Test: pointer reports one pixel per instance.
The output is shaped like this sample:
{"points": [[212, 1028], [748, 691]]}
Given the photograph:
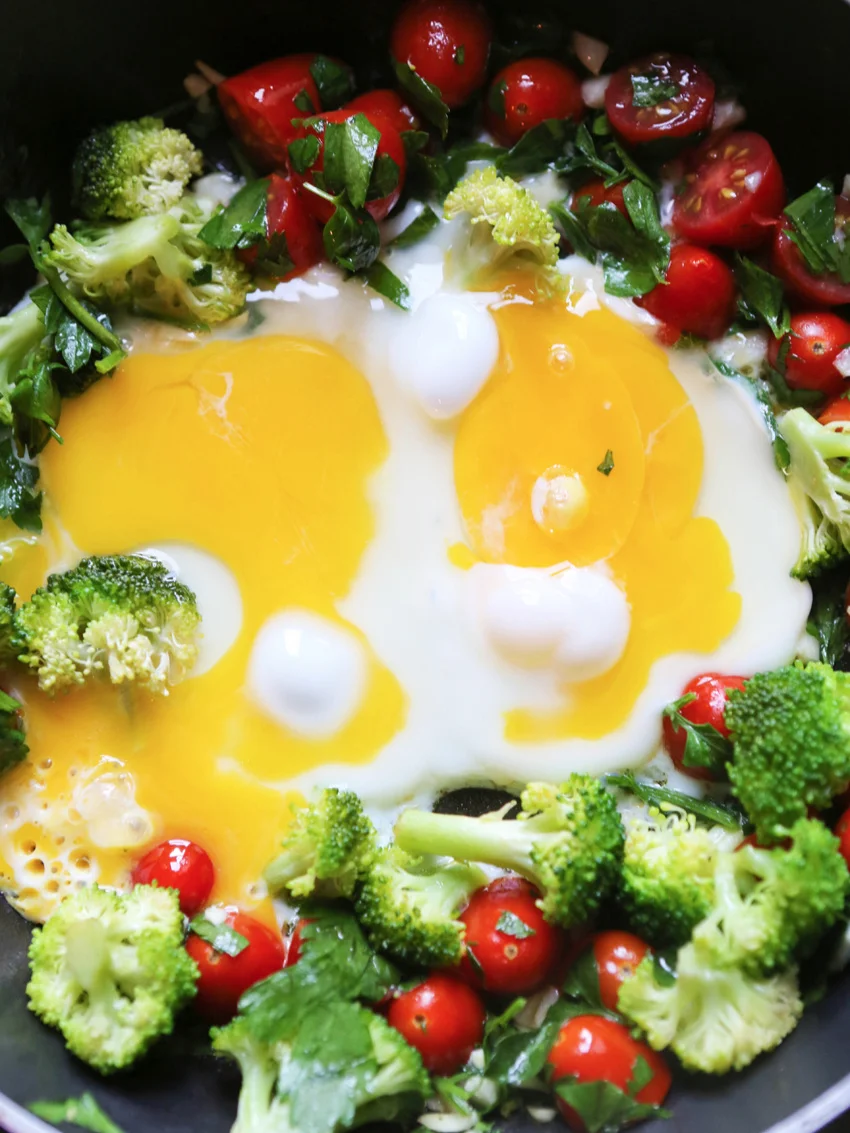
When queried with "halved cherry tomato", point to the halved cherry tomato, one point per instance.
{"points": [[447, 43], [259, 104], [836, 412], [526, 93], [443, 1019], [815, 341], [597, 194], [842, 829], [287, 215], [699, 295], [709, 706], [825, 289], [733, 193], [591, 1048], [223, 979], [513, 948], [388, 104], [638, 112], [181, 865], [617, 955]]}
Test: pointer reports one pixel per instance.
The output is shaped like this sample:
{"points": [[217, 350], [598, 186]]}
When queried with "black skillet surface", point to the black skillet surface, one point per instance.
{"points": [[64, 67]]}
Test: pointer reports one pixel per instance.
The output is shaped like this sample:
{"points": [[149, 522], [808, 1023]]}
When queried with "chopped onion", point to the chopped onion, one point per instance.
{"points": [[845, 188], [593, 91], [537, 1008], [842, 362], [542, 1113], [196, 85], [592, 52], [728, 112], [210, 73], [449, 1122]]}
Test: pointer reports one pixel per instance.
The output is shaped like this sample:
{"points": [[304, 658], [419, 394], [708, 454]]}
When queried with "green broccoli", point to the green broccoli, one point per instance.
{"points": [[156, 265], [326, 850], [123, 616], [715, 1018], [410, 909], [22, 336], [110, 972], [791, 744], [133, 169], [567, 841]]}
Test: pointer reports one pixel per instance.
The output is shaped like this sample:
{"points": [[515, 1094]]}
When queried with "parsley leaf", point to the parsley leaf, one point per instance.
{"points": [[650, 89], [417, 230], [242, 222], [762, 295], [19, 499], [13, 746], [334, 82], [828, 618], [223, 937], [303, 153], [512, 925], [386, 283], [758, 390], [607, 465], [635, 255], [83, 1111], [536, 149], [304, 103], [351, 238], [813, 231], [424, 95], [574, 228], [385, 175], [704, 745], [496, 98], [603, 1107], [705, 809]]}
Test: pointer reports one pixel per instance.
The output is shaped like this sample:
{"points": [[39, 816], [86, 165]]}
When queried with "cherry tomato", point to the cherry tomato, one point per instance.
{"points": [[732, 194], [836, 412], [260, 104], [287, 215], [181, 865], [517, 957], [388, 104], [590, 1048], [389, 144], [447, 43], [526, 93], [617, 955], [686, 112], [825, 289], [224, 978], [842, 829], [443, 1018], [699, 295], [815, 341], [710, 691], [597, 194]]}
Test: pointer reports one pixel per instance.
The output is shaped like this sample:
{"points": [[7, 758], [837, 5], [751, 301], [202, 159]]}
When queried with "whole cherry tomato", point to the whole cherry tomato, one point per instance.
{"points": [[661, 97], [732, 195], [842, 829], [597, 194], [447, 43], [815, 341], [224, 979], [388, 104], [710, 691], [511, 948], [698, 296], [443, 1018], [823, 289], [287, 215], [528, 92], [181, 865], [617, 955]]}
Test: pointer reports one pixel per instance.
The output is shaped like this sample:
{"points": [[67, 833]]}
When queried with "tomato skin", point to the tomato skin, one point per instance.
{"points": [[826, 290], [223, 979], [287, 214], [617, 955], [427, 34], [687, 114], [591, 1048], [836, 411], [508, 965], [259, 105], [842, 830], [815, 341], [597, 194], [699, 295], [388, 104], [443, 1018], [704, 212], [709, 707], [533, 90], [181, 865]]}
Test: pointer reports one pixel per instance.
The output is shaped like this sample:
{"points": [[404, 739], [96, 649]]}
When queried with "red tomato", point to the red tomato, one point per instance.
{"points": [[447, 42], [824, 290], [181, 865], [842, 829], [617, 955], [684, 114], [287, 215], [223, 978], [526, 93], [734, 191], [699, 295], [590, 1048], [388, 104], [390, 144], [710, 691], [260, 104], [836, 412], [443, 1019], [816, 340], [507, 962], [597, 195]]}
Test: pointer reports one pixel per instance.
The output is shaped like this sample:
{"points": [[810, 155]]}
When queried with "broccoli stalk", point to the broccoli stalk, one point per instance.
{"points": [[110, 972], [567, 841]]}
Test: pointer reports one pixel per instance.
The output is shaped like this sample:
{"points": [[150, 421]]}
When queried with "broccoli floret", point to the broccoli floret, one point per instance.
{"points": [[110, 972], [507, 223], [326, 850], [22, 335], [410, 909], [133, 169], [667, 883], [156, 265], [567, 841], [259, 1110], [714, 1018], [791, 744], [123, 616]]}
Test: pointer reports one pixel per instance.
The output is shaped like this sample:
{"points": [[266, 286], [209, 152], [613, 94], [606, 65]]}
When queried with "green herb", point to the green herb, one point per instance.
{"points": [[202, 275], [437, 174], [460, 55], [83, 1111], [243, 221], [424, 96], [273, 258], [762, 295], [512, 925], [607, 465], [334, 82], [13, 746], [417, 230], [351, 238], [222, 937], [386, 283], [581, 982], [758, 390], [304, 103], [635, 255], [705, 810], [19, 501], [496, 98], [605, 1108], [536, 149], [385, 175], [828, 618], [303, 153], [607, 158], [704, 745], [649, 89], [574, 229], [813, 231], [349, 157]]}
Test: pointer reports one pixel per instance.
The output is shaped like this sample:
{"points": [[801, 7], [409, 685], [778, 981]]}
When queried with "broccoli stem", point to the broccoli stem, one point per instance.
{"points": [[499, 842]]}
